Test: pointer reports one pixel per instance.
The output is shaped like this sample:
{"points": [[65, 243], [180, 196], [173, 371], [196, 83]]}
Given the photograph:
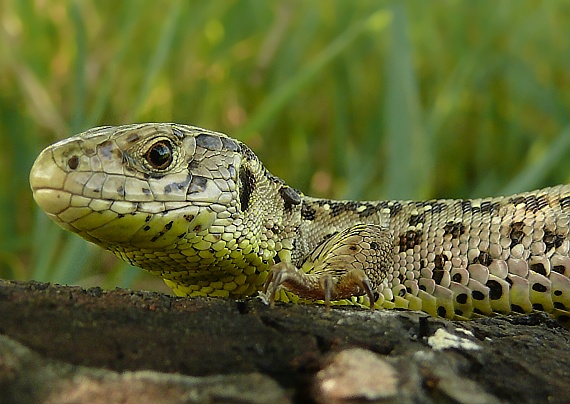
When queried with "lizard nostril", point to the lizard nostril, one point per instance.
{"points": [[73, 162]]}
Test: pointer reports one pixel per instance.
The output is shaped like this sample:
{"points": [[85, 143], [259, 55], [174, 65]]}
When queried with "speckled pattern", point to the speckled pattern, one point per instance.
{"points": [[200, 210]]}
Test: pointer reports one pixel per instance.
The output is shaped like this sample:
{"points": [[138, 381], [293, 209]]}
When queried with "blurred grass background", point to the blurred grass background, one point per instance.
{"points": [[365, 99]]}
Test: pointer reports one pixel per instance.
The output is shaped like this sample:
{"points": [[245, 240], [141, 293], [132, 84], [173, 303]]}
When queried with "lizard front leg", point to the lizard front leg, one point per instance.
{"points": [[353, 262]]}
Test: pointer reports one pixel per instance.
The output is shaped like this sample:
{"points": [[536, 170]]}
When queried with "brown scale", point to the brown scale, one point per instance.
{"points": [[410, 239]]}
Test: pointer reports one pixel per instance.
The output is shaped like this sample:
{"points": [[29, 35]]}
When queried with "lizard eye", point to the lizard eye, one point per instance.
{"points": [[159, 155]]}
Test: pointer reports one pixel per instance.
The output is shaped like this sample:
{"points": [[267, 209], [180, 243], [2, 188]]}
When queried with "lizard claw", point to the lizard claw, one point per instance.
{"points": [[321, 286], [270, 286], [334, 290]]}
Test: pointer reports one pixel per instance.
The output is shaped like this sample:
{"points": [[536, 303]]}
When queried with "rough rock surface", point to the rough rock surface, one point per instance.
{"points": [[67, 344]]}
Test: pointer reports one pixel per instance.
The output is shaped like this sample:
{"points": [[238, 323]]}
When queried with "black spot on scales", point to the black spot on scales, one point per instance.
{"points": [[538, 287], [197, 184], [433, 206], [210, 142], [552, 240], [395, 209], [106, 148], [179, 186], [290, 196], [193, 165], [133, 137], [517, 309], [368, 210], [477, 295], [410, 239], [483, 258], [454, 229], [461, 298], [495, 290], [414, 220], [335, 208], [437, 275], [516, 233], [538, 268], [484, 207], [178, 133], [307, 211], [565, 202], [230, 144], [247, 153], [466, 206], [439, 261], [535, 203], [246, 187]]}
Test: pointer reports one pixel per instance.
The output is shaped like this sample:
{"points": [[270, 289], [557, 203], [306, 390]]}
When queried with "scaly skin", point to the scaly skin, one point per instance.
{"points": [[199, 209]]}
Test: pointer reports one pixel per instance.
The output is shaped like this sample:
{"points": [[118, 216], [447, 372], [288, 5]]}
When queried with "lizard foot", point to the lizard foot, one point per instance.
{"points": [[317, 286], [350, 263]]}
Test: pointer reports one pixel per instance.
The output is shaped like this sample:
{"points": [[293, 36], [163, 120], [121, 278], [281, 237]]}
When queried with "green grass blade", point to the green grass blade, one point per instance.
{"points": [[535, 172], [46, 238], [74, 260], [78, 116], [124, 275], [159, 57], [408, 166], [291, 87], [132, 13]]}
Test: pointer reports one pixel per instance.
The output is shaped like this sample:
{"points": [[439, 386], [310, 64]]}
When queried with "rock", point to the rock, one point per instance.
{"points": [[26, 377], [66, 343], [356, 374]]}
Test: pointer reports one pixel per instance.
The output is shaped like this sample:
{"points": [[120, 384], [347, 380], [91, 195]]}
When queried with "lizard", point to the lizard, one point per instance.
{"points": [[200, 210]]}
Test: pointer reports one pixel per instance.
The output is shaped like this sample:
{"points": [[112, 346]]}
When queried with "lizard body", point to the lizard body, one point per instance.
{"points": [[200, 210]]}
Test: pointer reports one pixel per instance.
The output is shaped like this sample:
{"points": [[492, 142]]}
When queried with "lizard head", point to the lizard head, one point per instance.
{"points": [[177, 200]]}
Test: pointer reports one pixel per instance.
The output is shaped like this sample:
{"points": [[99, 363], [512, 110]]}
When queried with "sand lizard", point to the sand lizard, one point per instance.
{"points": [[200, 210]]}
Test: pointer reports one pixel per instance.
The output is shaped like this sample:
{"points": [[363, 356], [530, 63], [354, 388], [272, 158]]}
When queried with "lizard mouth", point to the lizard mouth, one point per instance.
{"points": [[47, 181], [107, 222]]}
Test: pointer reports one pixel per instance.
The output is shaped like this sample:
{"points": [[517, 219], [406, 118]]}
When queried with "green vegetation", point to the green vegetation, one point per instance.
{"points": [[345, 99]]}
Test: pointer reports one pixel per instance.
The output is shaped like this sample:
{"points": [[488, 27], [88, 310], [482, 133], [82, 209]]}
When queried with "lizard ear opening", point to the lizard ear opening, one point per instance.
{"points": [[246, 186]]}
